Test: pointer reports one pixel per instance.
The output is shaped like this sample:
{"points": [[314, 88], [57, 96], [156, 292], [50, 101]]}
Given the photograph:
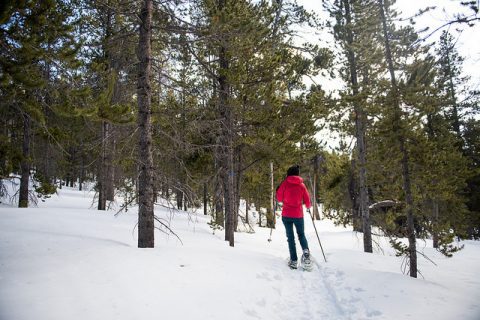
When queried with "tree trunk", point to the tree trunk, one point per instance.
{"points": [[412, 248], [352, 191], [47, 160], [360, 123], [271, 209], [205, 198], [106, 173], [110, 169], [219, 211], [226, 138], [108, 141], [228, 179], [179, 198], [73, 159], [435, 223], [259, 216], [82, 172], [102, 170], [185, 202], [25, 163], [144, 92]]}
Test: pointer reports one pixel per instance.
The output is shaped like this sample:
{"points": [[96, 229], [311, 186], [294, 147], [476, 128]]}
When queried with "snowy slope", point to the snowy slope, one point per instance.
{"points": [[65, 260]]}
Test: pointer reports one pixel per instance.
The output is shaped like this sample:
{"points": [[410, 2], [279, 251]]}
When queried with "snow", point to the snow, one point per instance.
{"points": [[66, 260]]}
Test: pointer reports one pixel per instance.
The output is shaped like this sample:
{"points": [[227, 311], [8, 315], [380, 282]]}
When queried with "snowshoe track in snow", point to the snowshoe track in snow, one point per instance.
{"points": [[319, 294]]}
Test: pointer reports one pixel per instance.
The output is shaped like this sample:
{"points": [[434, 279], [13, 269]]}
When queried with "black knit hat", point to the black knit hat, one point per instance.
{"points": [[294, 170]]}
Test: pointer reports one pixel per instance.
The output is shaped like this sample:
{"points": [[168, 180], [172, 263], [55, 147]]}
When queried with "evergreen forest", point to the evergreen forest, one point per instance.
{"points": [[206, 104]]}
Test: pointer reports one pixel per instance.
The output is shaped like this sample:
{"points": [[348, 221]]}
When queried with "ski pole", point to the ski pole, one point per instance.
{"points": [[315, 227]]}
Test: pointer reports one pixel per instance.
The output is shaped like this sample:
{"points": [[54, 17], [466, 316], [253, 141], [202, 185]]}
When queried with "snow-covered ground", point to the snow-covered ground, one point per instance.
{"points": [[66, 260]]}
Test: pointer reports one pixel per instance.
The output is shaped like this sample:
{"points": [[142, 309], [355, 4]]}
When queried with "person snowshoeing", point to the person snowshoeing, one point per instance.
{"points": [[292, 192]]}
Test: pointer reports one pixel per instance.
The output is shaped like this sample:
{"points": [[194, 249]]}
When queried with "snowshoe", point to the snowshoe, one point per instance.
{"points": [[292, 264], [307, 263]]}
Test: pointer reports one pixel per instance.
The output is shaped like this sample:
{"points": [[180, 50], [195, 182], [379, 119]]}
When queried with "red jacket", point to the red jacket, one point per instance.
{"points": [[291, 192]]}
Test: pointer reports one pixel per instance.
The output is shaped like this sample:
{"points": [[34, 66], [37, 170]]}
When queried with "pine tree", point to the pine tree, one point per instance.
{"points": [[471, 136], [456, 104], [351, 29], [145, 159], [108, 34], [31, 47], [398, 126], [450, 81], [434, 154]]}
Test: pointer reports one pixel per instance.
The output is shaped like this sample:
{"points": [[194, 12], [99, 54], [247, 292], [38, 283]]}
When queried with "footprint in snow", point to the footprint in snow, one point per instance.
{"points": [[373, 313], [264, 275], [261, 303], [252, 313]]}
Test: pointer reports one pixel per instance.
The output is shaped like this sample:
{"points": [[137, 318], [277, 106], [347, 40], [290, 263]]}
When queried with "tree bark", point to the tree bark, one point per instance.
{"points": [[102, 200], [352, 191], [228, 168], [73, 159], [108, 141], [179, 198], [81, 177], [435, 223], [25, 163], [360, 123], [110, 169], [145, 158], [226, 138], [205, 198], [271, 209], [185, 202], [106, 189], [259, 215], [412, 248]]}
